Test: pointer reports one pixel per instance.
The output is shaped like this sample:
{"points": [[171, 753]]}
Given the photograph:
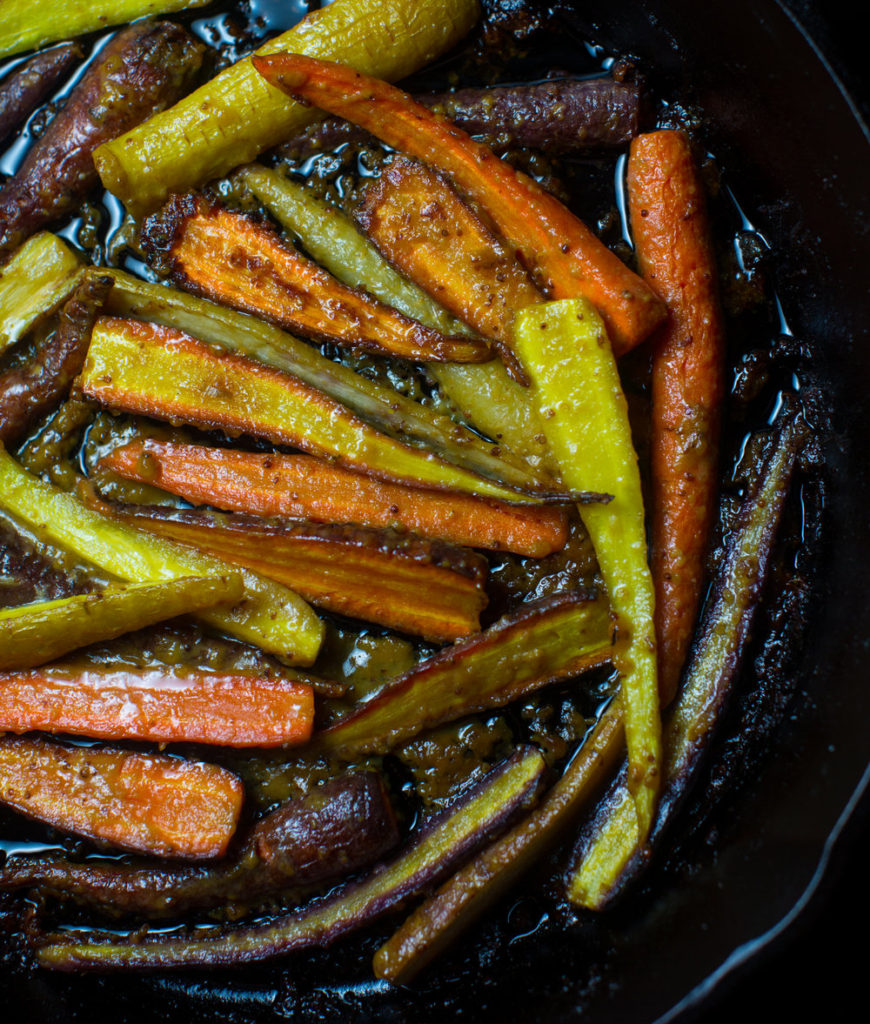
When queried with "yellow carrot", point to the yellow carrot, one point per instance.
{"points": [[566, 352], [237, 115]]}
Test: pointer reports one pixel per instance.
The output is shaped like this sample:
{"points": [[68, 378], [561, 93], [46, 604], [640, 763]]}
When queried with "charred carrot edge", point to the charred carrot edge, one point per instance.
{"points": [[419, 587], [672, 238], [425, 230], [146, 803], [303, 487], [160, 705], [229, 258], [562, 254]]}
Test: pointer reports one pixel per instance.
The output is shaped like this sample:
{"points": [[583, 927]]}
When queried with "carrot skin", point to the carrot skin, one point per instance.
{"points": [[675, 254], [159, 705], [229, 258], [145, 803], [303, 487], [563, 255]]}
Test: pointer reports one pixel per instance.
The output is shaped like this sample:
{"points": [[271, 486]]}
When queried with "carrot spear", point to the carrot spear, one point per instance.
{"points": [[303, 487], [672, 238], [163, 705]]}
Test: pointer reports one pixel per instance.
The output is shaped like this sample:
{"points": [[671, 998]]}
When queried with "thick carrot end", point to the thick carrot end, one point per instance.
{"points": [[145, 803]]}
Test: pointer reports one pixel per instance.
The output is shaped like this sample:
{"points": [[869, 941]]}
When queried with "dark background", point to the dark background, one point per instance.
{"points": [[817, 968]]}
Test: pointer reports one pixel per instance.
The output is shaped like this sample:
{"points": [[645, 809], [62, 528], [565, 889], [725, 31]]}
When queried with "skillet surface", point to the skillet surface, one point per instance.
{"points": [[743, 855]]}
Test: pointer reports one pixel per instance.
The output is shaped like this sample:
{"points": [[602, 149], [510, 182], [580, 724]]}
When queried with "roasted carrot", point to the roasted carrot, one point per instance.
{"points": [[143, 69], [160, 705], [432, 851], [22, 91], [542, 642], [235, 116], [270, 616], [488, 399], [672, 238], [562, 115], [575, 381], [147, 803], [425, 230], [159, 371], [384, 409], [231, 259], [303, 487], [563, 255], [425, 588], [34, 634]]}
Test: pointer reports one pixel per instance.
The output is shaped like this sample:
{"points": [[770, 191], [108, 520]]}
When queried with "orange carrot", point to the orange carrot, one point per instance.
{"points": [[146, 803], [231, 259], [425, 230], [672, 237], [161, 705], [422, 587], [303, 487], [563, 255]]}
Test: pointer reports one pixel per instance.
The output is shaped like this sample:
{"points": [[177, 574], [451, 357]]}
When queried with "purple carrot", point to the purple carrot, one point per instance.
{"points": [[560, 116], [31, 83], [143, 69]]}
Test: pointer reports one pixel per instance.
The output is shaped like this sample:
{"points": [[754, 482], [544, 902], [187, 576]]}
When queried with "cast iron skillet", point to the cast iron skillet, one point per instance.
{"points": [[739, 872]]}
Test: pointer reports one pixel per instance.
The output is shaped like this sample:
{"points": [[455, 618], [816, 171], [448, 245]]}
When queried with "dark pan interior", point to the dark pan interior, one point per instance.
{"points": [[797, 157]]}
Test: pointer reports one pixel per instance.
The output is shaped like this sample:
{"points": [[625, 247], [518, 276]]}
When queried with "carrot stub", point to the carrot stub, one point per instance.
{"points": [[303, 487], [563, 255], [146, 803], [672, 238], [160, 705]]}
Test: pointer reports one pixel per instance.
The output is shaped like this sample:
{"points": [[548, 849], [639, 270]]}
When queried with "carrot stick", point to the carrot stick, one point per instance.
{"points": [[146, 803], [425, 230], [564, 348], [160, 705], [303, 487], [563, 255], [420, 587], [231, 259], [34, 634], [672, 238]]}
